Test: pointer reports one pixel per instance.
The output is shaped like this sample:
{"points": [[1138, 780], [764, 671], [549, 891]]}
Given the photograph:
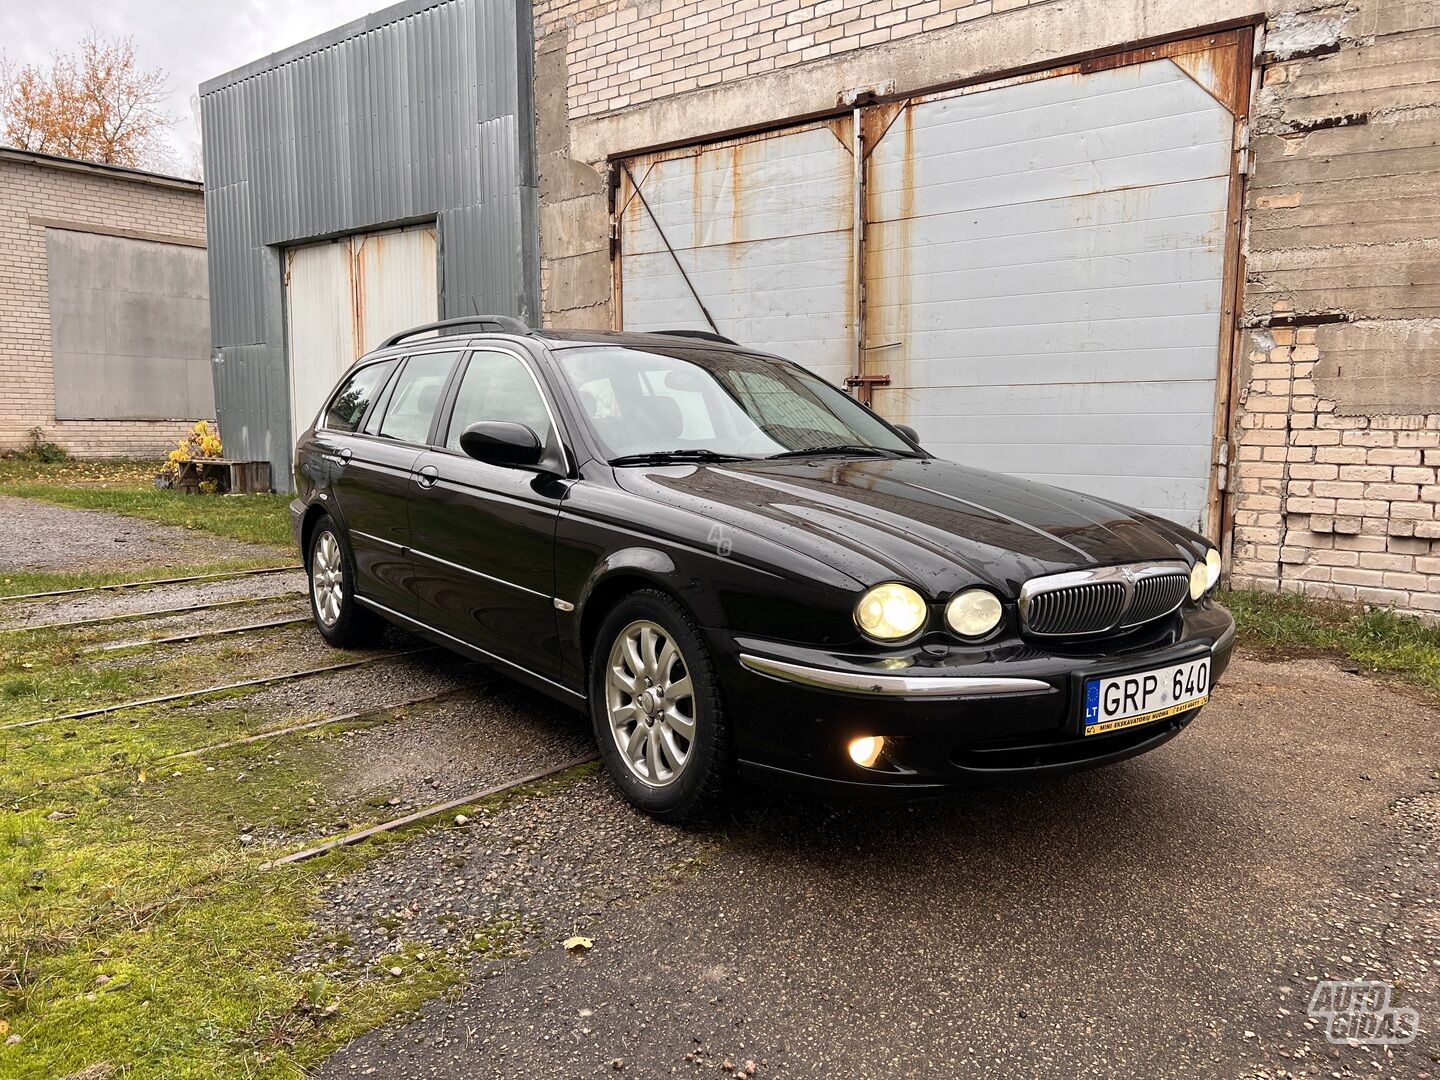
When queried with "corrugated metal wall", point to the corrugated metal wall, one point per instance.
{"points": [[420, 112]]}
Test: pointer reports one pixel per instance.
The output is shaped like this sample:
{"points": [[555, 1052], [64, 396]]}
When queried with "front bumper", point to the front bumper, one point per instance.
{"points": [[952, 718]]}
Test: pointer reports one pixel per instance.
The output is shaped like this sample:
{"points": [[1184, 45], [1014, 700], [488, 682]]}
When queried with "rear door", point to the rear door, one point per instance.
{"points": [[483, 536], [365, 483]]}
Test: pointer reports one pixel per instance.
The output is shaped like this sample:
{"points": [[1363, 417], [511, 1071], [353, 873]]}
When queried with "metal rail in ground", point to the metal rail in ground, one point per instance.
{"points": [[158, 613], [153, 581], [116, 646], [262, 736], [347, 839], [81, 714]]}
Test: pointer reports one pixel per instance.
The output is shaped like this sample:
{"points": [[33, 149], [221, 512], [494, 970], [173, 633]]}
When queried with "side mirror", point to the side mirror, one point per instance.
{"points": [[500, 443], [908, 431]]}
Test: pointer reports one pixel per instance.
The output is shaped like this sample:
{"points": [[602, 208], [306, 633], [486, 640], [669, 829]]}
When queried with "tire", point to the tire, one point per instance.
{"points": [[331, 568], [675, 778]]}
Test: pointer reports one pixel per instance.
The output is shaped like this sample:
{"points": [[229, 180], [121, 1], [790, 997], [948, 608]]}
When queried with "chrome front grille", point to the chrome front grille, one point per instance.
{"points": [[1083, 603], [1156, 595], [1076, 610]]}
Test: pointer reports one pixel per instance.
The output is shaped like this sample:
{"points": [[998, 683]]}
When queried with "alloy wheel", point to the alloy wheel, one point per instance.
{"points": [[650, 703], [327, 578]]}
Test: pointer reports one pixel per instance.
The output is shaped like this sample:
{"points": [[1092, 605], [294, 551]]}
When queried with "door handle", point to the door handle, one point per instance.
{"points": [[345, 454], [427, 476]]}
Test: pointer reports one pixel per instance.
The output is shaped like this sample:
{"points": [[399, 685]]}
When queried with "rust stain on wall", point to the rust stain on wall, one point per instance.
{"points": [[357, 296], [737, 200]]}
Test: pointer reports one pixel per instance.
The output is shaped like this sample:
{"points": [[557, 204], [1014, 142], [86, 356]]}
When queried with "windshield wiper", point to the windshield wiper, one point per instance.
{"points": [[667, 457], [853, 449]]}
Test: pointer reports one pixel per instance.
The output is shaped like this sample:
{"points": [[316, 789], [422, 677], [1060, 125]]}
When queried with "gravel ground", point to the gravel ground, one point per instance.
{"points": [[96, 605], [1381, 923], [38, 536], [1152, 919], [463, 744], [513, 878]]}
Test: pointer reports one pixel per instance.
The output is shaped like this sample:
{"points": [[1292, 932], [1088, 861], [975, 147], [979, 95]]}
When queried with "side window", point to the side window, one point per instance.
{"points": [[497, 386], [347, 407], [416, 394]]}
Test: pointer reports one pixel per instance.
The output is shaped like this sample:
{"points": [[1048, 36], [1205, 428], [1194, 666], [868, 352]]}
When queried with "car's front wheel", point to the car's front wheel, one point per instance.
{"points": [[655, 702], [341, 621]]}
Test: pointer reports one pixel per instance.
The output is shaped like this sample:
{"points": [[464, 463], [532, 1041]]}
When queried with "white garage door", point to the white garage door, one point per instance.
{"points": [[762, 228], [1045, 266], [1041, 263], [344, 297]]}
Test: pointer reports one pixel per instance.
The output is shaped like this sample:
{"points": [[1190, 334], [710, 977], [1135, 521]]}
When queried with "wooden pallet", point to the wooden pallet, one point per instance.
{"points": [[231, 477]]}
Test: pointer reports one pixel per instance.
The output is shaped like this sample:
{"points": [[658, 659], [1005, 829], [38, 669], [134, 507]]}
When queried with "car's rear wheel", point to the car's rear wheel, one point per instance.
{"points": [[341, 621], [655, 702]]}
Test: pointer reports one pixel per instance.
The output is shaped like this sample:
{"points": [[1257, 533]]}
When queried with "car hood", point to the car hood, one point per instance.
{"points": [[934, 523]]}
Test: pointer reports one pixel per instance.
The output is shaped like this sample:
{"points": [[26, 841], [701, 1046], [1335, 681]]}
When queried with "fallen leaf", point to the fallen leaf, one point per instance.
{"points": [[578, 943]]}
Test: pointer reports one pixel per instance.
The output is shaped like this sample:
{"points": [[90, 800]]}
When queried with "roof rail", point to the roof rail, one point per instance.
{"points": [[504, 324], [704, 335]]}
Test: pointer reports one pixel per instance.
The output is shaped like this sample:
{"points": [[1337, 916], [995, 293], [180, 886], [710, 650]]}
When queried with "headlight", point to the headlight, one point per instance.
{"points": [[1199, 580], [974, 612], [1212, 568], [890, 612]]}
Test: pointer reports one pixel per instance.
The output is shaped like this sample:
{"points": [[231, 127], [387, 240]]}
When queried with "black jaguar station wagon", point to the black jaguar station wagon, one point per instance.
{"points": [[741, 572]]}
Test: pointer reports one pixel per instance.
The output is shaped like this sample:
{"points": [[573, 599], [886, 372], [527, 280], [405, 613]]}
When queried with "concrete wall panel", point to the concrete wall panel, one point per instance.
{"points": [[130, 328]]}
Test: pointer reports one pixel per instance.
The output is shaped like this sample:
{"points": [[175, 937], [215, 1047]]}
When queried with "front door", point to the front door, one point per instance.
{"points": [[483, 536]]}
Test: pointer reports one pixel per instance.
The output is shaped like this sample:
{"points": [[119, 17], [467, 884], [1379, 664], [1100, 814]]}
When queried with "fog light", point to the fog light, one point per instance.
{"points": [[866, 750]]}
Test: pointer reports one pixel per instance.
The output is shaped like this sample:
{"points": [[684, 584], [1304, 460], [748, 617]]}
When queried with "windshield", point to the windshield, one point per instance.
{"points": [[716, 403]]}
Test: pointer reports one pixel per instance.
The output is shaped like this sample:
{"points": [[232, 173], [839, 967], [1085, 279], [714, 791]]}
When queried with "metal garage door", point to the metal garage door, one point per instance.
{"points": [[343, 297], [1044, 264], [752, 236], [1044, 279]]}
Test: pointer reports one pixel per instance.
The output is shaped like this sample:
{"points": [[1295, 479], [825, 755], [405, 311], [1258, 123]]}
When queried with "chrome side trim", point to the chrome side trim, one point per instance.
{"points": [[377, 539], [476, 573], [853, 682], [391, 613], [1127, 575]]}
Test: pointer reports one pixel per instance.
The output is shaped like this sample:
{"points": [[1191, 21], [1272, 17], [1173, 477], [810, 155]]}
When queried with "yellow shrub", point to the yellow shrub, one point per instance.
{"points": [[203, 442]]}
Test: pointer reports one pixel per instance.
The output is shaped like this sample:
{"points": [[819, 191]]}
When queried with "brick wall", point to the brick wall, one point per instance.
{"points": [[30, 192], [1338, 432], [624, 52]]}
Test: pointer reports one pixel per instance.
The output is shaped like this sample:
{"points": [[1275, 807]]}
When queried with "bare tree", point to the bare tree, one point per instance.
{"points": [[97, 104]]}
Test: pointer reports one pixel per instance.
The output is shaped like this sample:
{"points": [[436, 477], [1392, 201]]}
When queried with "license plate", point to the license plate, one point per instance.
{"points": [[1142, 697]]}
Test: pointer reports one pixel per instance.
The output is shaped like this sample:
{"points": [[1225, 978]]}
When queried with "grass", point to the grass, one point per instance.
{"points": [[1381, 639], [135, 926], [136, 929], [126, 487]]}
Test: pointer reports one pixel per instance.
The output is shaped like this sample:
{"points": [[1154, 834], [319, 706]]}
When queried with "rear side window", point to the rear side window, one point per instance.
{"points": [[417, 393], [347, 407]]}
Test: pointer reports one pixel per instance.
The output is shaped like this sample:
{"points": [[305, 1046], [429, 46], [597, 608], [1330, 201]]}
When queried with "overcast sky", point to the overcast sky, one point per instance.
{"points": [[193, 40]]}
